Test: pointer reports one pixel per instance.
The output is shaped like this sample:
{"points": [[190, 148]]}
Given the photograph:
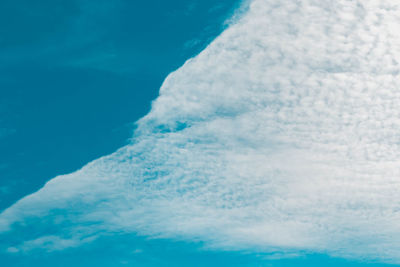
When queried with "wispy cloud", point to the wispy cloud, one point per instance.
{"points": [[282, 135]]}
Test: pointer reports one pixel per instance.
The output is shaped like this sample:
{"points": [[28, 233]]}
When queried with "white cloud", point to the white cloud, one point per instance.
{"points": [[282, 135]]}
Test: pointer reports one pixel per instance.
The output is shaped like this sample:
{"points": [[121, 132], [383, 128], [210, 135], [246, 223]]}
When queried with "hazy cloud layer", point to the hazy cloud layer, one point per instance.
{"points": [[282, 135]]}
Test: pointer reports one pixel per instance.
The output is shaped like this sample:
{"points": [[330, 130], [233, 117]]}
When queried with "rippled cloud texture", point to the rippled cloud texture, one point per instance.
{"points": [[282, 135]]}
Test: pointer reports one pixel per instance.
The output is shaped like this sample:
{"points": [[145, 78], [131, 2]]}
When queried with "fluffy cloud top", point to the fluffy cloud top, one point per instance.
{"points": [[282, 135]]}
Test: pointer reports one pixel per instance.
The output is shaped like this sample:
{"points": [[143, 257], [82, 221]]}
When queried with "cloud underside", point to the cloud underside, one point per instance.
{"points": [[282, 135]]}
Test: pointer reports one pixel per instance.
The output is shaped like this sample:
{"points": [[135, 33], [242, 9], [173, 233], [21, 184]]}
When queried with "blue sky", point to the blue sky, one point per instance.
{"points": [[196, 133], [76, 75]]}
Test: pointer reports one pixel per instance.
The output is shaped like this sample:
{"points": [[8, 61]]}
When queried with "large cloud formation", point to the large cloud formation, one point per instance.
{"points": [[282, 135]]}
